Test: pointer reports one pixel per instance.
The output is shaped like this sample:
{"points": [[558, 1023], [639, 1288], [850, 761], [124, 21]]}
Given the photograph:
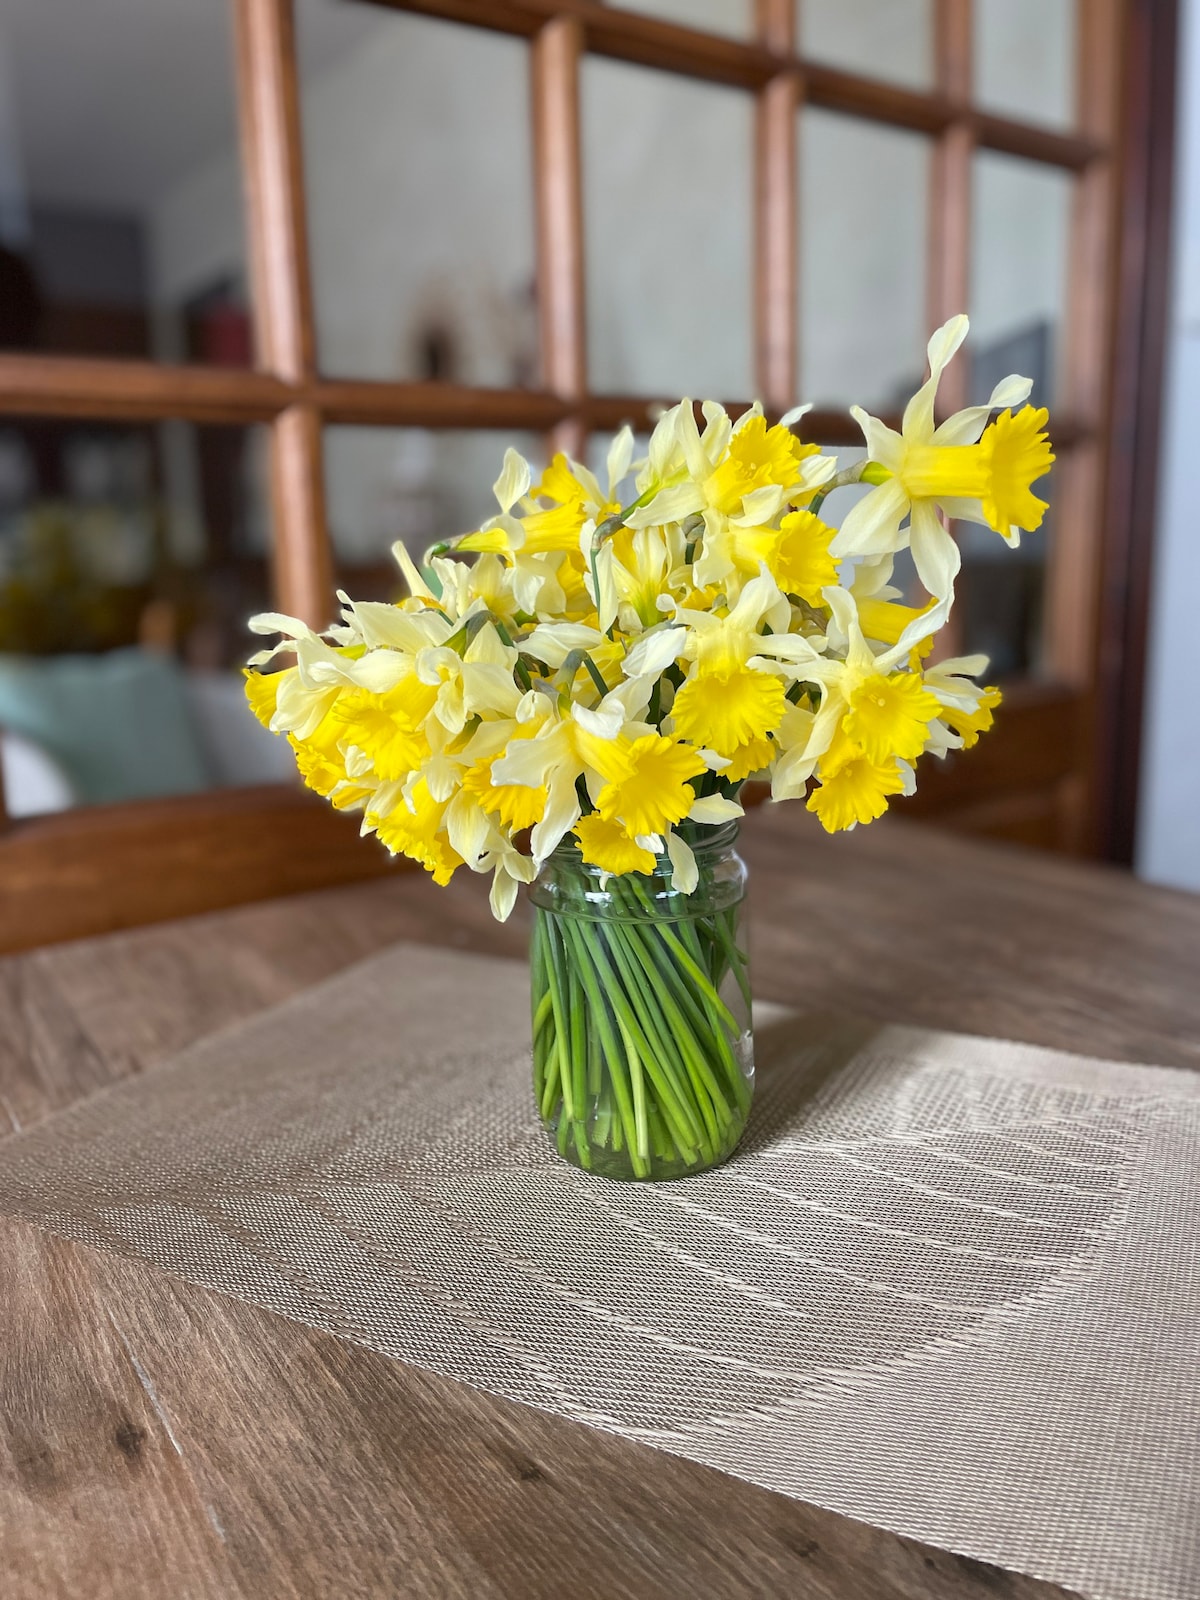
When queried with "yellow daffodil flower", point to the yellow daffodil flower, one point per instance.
{"points": [[758, 457], [651, 790], [543, 545], [925, 470], [514, 806], [966, 708], [750, 757], [735, 695], [886, 620], [743, 468], [852, 788], [484, 585], [605, 844], [888, 715], [262, 691], [970, 724], [885, 715], [582, 744], [644, 566], [319, 758], [389, 728], [477, 680], [414, 829], [796, 553], [574, 498], [726, 708]]}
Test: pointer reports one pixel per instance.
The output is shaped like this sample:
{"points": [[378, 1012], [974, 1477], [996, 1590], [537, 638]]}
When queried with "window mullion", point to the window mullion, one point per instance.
{"points": [[558, 188], [268, 94], [950, 189], [776, 189]]}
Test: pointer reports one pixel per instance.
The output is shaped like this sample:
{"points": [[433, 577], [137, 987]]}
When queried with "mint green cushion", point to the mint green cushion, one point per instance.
{"points": [[118, 724]]}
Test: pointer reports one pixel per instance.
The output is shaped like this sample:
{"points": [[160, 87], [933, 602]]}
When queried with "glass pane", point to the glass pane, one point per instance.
{"points": [[1025, 58], [863, 243], [120, 195], [411, 484], [668, 200], [419, 187], [711, 16], [131, 556], [875, 38], [1000, 598], [1021, 223]]}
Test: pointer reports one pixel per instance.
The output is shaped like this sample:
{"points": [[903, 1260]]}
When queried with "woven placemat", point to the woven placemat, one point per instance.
{"points": [[949, 1285]]}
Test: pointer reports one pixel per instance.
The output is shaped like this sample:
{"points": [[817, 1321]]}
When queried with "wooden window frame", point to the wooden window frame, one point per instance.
{"points": [[1112, 361]]}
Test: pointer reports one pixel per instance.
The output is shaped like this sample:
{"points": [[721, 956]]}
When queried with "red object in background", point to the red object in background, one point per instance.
{"points": [[222, 336]]}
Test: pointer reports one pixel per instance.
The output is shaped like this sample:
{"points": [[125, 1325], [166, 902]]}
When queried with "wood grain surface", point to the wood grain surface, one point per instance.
{"points": [[97, 868], [160, 1440]]}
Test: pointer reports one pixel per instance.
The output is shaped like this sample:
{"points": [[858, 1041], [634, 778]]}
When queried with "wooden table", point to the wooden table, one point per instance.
{"points": [[160, 1440]]}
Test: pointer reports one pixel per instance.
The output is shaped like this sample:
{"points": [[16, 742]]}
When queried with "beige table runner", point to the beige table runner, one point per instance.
{"points": [[950, 1285]]}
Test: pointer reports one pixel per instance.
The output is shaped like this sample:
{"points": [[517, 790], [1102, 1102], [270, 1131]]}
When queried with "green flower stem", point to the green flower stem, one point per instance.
{"points": [[641, 1130], [556, 980], [549, 1086], [602, 1019], [577, 1013], [544, 1007], [676, 1039], [666, 973], [858, 473], [663, 1025], [718, 1017], [688, 962], [569, 1065], [542, 1010], [723, 923], [636, 1028], [685, 1127], [594, 1064], [705, 1026]]}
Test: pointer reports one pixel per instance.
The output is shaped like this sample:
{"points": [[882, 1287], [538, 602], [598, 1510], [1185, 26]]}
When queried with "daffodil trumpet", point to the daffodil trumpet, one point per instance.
{"points": [[573, 696]]}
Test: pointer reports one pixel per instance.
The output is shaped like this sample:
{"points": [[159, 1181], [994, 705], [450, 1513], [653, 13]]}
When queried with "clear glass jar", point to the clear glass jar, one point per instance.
{"points": [[643, 1054]]}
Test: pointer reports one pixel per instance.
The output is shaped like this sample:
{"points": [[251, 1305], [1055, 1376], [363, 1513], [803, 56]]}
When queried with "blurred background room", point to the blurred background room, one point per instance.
{"points": [[279, 282]]}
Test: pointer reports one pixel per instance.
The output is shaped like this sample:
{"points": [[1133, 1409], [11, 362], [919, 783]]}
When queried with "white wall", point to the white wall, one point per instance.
{"points": [[717, 16], [197, 231], [1024, 56], [1018, 202], [864, 211], [883, 37], [1169, 816], [668, 216]]}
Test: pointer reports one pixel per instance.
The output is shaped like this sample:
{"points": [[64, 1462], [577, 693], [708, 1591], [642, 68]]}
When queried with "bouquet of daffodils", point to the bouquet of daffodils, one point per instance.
{"points": [[619, 658], [577, 691]]}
